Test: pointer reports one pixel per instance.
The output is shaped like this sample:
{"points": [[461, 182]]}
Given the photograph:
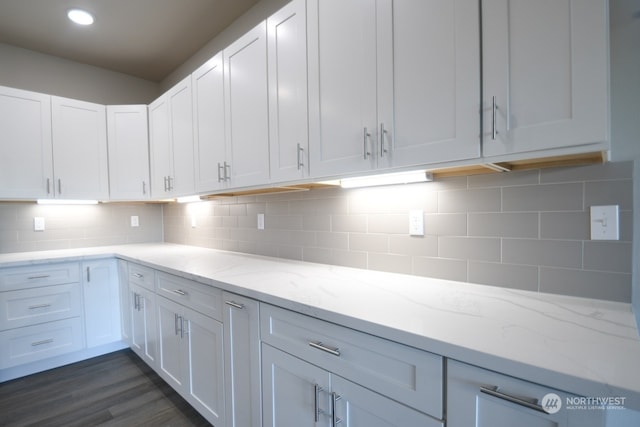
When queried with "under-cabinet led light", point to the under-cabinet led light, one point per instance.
{"points": [[80, 17], [66, 202], [386, 179], [188, 199]]}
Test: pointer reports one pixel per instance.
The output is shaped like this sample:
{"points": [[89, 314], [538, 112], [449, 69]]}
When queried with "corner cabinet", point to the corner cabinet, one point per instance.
{"points": [[545, 76], [128, 143], [481, 398], [171, 142], [392, 84], [101, 294], [26, 157], [79, 131]]}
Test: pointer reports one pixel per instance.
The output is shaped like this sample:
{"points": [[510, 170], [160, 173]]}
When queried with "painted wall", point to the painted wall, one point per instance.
{"points": [[29, 70], [77, 226], [526, 230]]}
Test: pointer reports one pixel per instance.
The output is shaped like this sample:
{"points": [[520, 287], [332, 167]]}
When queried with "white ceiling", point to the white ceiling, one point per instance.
{"points": [[143, 38]]}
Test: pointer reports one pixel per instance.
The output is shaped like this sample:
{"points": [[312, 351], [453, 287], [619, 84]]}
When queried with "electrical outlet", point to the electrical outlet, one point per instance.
{"points": [[135, 221], [260, 221], [38, 223], [416, 223]]}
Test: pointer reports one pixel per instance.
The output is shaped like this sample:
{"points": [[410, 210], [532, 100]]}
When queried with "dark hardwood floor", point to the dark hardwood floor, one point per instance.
{"points": [[116, 389]]}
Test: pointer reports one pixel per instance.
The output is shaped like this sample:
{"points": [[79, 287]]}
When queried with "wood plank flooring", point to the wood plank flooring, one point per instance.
{"points": [[116, 389]]}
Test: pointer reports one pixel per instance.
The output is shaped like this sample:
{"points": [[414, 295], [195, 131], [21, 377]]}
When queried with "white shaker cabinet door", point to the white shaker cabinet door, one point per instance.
{"points": [[342, 86], [160, 149], [79, 149], [26, 159], [247, 107], [181, 126], [101, 292], [143, 323], [128, 142], [545, 75], [428, 82], [208, 125], [288, 122]]}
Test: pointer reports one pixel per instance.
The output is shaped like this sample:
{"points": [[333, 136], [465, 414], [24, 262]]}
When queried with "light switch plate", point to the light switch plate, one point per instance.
{"points": [[38, 223], [605, 223], [416, 223]]}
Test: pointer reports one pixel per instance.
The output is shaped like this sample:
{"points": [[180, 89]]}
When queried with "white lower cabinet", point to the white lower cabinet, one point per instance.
{"points": [[242, 361], [101, 293], [191, 357], [482, 398], [143, 323]]}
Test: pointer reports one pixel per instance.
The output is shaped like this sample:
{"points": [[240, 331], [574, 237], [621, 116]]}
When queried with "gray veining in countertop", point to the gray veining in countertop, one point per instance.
{"points": [[587, 347]]}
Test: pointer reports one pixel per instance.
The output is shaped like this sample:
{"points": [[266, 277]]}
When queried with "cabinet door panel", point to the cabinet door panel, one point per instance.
{"points": [[430, 108], [203, 342], [546, 64], [288, 390], [245, 64], [101, 302], [128, 142], [288, 122], [209, 124], [170, 354], [181, 126], [143, 324], [79, 149], [342, 86], [26, 159], [159, 147]]}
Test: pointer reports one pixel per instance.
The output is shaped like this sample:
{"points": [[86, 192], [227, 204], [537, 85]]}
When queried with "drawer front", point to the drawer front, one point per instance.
{"points": [[34, 276], [142, 276], [197, 296], [33, 343], [408, 375], [28, 307]]}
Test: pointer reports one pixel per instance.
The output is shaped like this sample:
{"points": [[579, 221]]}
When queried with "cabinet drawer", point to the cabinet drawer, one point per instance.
{"points": [[408, 375], [32, 343], [38, 305], [203, 298], [142, 276], [33, 276]]}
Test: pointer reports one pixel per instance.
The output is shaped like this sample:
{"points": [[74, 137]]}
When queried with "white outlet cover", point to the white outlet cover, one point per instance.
{"points": [[38, 223], [416, 223], [605, 223], [260, 221], [135, 221]]}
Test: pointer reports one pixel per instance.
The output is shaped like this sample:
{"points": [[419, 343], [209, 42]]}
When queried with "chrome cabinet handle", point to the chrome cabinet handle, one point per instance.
{"points": [[182, 322], [220, 178], [175, 323], [144, 187], [234, 304], [48, 186], [334, 413], [42, 276], [88, 274], [170, 180], [527, 403], [383, 132], [331, 350], [494, 108], [180, 292], [34, 307], [365, 145], [316, 406], [300, 151], [165, 183], [227, 171], [138, 275], [37, 343], [59, 186]]}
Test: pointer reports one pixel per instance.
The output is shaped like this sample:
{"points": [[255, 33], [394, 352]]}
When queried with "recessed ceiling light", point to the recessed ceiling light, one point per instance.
{"points": [[80, 17]]}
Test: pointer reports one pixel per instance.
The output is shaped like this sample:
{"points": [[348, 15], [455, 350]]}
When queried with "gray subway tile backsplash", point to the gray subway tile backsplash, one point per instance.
{"points": [[522, 230]]}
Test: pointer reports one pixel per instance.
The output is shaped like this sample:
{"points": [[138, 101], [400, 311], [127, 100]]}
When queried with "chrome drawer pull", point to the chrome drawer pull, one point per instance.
{"points": [[531, 404], [318, 345], [33, 307], [179, 292], [43, 276], [138, 275], [234, 304], [37, 343]]}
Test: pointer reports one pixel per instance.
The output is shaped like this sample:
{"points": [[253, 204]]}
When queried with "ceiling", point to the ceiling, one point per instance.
{"points": [[142, 38]]}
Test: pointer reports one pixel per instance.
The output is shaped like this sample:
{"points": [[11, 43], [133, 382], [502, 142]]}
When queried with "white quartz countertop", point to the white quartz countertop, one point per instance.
{"points": [[583, 346]]}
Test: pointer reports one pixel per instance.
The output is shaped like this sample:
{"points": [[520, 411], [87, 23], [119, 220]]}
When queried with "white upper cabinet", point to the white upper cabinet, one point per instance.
{"points": [[392, 83], [26, 160], [428, 82], [208, 125], [79, 131], [342, 86], [288, 120], [171, 142], [545, 75], [247, 109], [128, 143]]}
